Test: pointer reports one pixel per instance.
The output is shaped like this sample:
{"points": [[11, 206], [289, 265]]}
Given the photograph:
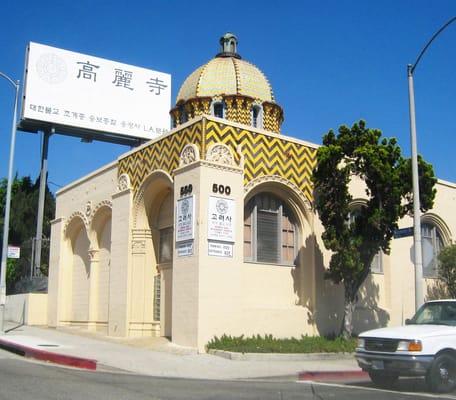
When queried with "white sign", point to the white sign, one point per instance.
{"points": [[184, 249], [221, 219], [67, 88], [14, 252], [185, 219], [220, 249]]}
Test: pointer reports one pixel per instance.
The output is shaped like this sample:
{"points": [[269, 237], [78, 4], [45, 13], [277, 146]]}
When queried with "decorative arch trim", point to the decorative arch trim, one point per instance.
{"points": [[438, 222], [138, 202], [100, 205], [277, 184], [358, 202], [72, 218]]}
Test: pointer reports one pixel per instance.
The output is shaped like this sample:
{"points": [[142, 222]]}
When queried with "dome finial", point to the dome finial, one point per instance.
{"points": [[228, 43]]}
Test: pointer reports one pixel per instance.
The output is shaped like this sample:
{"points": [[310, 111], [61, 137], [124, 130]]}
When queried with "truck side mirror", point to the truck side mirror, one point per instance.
{"points": [[408, 321]]}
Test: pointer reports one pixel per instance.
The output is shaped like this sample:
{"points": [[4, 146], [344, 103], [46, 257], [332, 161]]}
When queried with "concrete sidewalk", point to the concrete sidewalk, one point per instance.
{"points": [[158, 357]]}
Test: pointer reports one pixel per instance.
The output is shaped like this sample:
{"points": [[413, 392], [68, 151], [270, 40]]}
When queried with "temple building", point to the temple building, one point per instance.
{"points": [[210, 229]]}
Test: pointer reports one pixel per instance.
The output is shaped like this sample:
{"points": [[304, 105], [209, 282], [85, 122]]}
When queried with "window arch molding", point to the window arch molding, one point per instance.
{"points": [[439, 223], [434, 236], [154, 185], [284, 189]]}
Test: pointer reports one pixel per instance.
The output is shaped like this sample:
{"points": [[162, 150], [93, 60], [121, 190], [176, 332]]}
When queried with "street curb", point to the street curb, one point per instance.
{"points": [[331, 375], [42, 355], [231, 355]]}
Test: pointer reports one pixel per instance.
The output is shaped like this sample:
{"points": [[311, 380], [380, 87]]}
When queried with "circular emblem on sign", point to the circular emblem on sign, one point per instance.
{"points": [[221, 206], [185, 206], [51, 68]]}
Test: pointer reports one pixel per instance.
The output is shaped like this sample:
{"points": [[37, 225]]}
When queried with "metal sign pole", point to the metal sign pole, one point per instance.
{"points": [[41, 199], [7, 207]]}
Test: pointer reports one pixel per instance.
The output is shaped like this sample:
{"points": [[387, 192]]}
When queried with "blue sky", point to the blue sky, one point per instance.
{"points": [[329, 62]]}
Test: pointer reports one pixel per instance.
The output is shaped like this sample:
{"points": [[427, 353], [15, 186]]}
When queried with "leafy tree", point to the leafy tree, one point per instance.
{"points": [[357, 152], [447, 268], [22, 227]]}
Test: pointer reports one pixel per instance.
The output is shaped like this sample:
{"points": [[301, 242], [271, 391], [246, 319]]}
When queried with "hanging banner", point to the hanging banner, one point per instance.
{"points": [[221, 221], [68, 89], [185, 219]]}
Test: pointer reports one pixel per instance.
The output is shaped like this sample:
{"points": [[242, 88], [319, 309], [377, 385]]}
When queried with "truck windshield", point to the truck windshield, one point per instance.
{"points": [[438, 313]]}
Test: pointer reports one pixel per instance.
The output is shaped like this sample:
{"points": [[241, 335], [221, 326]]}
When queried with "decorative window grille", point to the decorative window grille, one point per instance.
{"points": [[157, 297]]}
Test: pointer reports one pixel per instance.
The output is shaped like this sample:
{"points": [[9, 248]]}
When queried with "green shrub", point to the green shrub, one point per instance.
{"points": [[269, 344]]}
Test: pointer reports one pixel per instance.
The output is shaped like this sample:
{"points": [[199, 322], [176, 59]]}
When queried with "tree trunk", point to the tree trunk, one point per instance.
{"points": [[349, 308]]}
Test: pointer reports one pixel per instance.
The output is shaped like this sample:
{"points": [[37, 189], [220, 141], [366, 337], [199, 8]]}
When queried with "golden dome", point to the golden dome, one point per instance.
{"points": [[226, 76], [230, 88]]}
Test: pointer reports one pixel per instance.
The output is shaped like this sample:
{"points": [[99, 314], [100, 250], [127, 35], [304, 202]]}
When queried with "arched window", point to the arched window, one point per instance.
{"points": [[257, 116], [377, 261], [183, 114], [165, 229], [218, 109], [270, 231], [432, 243]]}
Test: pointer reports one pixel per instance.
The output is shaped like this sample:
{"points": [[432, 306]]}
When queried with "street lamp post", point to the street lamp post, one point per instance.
{"points": [[7, 205], [418, 259]]}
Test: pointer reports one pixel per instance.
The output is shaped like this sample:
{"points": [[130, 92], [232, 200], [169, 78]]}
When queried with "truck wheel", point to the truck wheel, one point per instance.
{"points": [[441, 377], [383, 379]]}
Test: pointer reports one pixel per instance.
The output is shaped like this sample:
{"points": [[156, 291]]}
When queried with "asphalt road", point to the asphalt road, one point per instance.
{"points": [[26, 380]]}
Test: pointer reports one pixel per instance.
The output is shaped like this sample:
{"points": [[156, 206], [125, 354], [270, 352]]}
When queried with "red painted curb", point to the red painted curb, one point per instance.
{"points": [[323, 375], [43, 355]]}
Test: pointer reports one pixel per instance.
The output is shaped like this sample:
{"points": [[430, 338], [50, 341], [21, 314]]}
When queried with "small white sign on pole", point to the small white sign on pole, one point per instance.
{"points": [[14, 252], [185, 219], [221, 221], [65, 88]]}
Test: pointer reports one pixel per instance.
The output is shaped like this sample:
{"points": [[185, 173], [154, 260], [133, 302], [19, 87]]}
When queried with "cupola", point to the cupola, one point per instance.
{"points": [[231, 88]]}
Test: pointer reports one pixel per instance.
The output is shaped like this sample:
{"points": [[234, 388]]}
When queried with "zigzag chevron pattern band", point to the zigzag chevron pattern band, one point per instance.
{"points": [[263, 154]]}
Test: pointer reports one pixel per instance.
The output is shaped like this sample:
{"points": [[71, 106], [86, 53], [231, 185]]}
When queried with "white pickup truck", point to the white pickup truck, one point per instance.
{"points": [[425, 346]]}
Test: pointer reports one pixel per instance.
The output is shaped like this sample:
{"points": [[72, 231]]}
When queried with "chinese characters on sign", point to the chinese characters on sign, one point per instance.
{"points": [[68, 89], [87, 71], [156, 85], [123, 78]]}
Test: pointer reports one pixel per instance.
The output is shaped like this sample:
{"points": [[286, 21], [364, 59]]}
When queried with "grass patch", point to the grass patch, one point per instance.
{"points": [[269, 344]]}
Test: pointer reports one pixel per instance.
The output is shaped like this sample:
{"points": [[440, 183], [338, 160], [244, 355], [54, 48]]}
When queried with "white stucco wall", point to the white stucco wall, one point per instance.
{"points": [[27, 308], [70, 264]]}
